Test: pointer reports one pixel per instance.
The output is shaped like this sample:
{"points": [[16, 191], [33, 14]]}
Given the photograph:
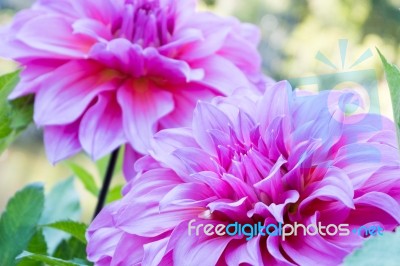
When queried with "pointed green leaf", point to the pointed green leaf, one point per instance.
{"points": [[393, 79], [85, 177], [38, 245], [76, 229], [19, 221], [51, 261], [16, 115], [71, 249]]}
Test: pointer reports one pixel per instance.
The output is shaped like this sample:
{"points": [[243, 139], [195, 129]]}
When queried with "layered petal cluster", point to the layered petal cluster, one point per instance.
{"points": [[284, 157], [107, 72]]}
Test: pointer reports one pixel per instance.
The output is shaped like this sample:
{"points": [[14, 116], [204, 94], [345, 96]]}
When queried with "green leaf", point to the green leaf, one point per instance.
{"points": [[62, 203], [393, 79], [76, 229], [18, 222], [16, 115], [114, 194], [379, 250], [51, 261], [85, 177], [38, 245], [22, 112], [71, 249]]}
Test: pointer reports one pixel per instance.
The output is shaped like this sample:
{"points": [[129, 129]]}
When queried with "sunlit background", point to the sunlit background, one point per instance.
{"points": [[304, 41]]}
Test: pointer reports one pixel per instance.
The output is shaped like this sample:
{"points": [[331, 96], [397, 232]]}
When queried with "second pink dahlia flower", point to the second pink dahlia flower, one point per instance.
{"points": [[107, 72], [284, 158]]}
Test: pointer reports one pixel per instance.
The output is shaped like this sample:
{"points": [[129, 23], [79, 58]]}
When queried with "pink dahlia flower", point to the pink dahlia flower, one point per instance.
{"points": [[286, 158], [107, 72]]}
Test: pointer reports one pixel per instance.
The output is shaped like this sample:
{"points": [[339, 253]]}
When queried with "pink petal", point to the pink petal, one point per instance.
{"points": [[57, 39], [197, 250], [63, 98], [207, 117], [221, 75], [143, 105], [101, 129], [61, 142]]}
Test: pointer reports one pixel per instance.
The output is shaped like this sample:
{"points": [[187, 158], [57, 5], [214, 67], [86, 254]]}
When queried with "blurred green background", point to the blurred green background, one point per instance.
{"points": [[293, 33]]}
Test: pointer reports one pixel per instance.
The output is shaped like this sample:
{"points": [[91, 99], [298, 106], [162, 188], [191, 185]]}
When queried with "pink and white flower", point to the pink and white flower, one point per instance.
{"points": [[282, 158], [108, 72]]}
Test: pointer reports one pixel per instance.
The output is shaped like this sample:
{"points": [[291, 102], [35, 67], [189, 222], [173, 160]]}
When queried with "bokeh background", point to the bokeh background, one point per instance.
{"points": [[294, 32]]}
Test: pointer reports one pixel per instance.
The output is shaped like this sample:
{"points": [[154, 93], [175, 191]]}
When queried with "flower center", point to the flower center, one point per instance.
{"points": [[147, 24]]}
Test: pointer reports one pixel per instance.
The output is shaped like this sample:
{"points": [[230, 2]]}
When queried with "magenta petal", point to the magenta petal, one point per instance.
{"points": [[93, 29], [221, 75], [380, 201], [70, 94], [101, 127], [205, 118], [186, 99], [187, 195], [57, 39], [61, 142], [142, 106], [154, 252], [164, 68], [197, 250], [270, 108], [245, 253]]}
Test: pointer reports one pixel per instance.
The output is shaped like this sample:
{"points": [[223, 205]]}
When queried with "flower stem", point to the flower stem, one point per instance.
{"points": [[106, 182]]}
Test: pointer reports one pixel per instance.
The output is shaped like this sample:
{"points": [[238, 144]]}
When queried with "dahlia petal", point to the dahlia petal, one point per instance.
{"points": [[381, 201], [233, 210], [103, 245], [186, 99], [193, 160], [179, 41], [61, 142], [103, 236], [101, 127], [104, 11], [221, 75], [92, 28], [316, 248], [129, 249], [269, 108], [335, 185], [187, 195], [32, 76], [245, 253], [142, 106], [154, 252], [241, 188], [164, 179], [274, 248], [70, 95], [215, 32], [207, 117], [122, 55], [197, 250], [166, 69], [57, 39], [219, 187], [241, 51]]}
